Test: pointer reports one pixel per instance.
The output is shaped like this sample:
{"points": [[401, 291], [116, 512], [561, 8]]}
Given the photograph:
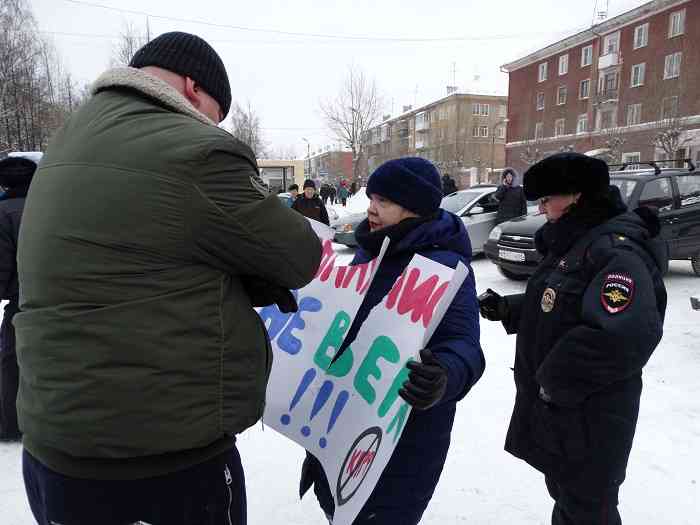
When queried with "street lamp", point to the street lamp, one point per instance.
{"points": [[493, 139], [308, 156]]}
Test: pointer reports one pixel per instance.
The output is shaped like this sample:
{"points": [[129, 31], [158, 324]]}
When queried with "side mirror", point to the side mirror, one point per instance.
{"points": [[476, 210]]}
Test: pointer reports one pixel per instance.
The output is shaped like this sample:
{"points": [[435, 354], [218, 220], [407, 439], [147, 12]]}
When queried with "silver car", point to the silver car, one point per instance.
{"points": [[477, 208]]}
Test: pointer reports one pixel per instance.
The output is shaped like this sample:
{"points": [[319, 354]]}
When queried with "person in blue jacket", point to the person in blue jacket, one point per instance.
{"points": [[405, 197]]}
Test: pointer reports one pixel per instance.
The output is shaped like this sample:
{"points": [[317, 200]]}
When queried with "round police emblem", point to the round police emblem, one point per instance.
{"points": [[548, 298]]}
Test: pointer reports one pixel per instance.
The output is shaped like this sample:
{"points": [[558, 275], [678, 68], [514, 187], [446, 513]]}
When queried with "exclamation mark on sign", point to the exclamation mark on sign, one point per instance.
{"points": [[303, 386], [323, 394], [335, 414]]}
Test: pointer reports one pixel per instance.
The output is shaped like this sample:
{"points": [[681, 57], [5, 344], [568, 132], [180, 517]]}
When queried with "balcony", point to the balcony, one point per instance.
{"points": [[422, 123], [607, 96], [609, 60]]}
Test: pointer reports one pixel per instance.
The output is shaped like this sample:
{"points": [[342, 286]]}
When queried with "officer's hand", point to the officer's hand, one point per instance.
{"points": [[493, 306], [264, 293], [426, 383]]}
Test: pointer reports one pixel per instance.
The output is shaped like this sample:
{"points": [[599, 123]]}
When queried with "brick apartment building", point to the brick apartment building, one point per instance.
{"points": [[610, 90], [329, 166], [463, 134]]}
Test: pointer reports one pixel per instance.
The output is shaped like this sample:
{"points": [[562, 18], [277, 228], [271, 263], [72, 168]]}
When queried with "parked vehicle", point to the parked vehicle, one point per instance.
{"points": [[672, 192], [476, 207]]}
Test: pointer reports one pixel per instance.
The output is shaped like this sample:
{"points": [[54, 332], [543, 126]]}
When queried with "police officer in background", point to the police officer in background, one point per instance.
{"points": [[589, 320]]}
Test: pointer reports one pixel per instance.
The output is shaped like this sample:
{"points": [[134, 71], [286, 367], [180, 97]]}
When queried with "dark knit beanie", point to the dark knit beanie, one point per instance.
{"points": [[190, 56], [566, 173], [411, 182], [16, 172], [308, 183]]}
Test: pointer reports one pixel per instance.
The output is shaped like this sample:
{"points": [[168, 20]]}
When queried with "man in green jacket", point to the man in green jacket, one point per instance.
{"points": [[147, 239]]}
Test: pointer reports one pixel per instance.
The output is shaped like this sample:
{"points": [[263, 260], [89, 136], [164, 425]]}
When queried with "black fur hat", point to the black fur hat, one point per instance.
{"points": [[565, 173], [16, 172]]}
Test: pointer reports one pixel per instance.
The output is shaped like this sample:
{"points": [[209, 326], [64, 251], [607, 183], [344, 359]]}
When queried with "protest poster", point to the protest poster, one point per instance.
{"points": [[349, 414]]}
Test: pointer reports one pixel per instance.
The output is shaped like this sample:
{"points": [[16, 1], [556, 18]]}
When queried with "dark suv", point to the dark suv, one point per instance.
{"points": [[673, 192]]}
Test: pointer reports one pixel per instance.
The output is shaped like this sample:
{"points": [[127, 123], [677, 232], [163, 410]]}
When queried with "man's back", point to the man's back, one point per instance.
{"points": [[136, 336]]}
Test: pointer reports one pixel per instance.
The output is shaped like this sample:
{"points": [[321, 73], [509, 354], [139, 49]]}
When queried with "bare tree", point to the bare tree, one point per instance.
{"points": [[356, 109], [671, 138], [245, 126], [613, 143], [131, 39], [532, 153]]}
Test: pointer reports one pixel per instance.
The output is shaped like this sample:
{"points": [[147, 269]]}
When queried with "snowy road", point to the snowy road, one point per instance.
{"points": [[481, 484]]}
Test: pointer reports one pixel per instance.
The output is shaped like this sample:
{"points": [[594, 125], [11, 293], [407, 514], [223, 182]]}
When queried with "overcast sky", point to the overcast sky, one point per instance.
{"points": [[284, 76]]}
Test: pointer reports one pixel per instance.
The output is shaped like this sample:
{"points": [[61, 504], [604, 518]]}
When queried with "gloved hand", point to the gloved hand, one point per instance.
{"points": [[493, 306], [426, 383], [264, 293]]}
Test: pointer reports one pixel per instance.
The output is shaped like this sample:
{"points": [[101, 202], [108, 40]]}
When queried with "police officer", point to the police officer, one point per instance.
{"points": [[589, 320]]}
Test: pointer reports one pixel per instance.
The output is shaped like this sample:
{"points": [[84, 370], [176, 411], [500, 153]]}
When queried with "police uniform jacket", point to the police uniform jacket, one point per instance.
{"points": [[588, 322]]}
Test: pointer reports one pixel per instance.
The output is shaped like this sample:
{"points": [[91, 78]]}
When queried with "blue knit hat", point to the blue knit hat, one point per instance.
{"points": [[411, 182]]}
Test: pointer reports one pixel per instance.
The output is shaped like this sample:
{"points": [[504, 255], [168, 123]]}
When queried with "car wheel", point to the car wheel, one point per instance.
{"points": [[513, 276], [695, 261]]}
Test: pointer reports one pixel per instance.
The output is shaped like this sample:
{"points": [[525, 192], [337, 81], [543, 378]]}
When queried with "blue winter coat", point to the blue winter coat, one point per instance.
{"points": [[407, 484]]}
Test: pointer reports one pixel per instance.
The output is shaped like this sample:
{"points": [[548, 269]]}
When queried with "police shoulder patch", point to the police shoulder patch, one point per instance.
{"points": [[617, 293]]}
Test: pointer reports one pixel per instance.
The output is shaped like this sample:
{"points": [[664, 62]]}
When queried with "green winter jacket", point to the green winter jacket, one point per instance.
{"points": [[139, 350]]}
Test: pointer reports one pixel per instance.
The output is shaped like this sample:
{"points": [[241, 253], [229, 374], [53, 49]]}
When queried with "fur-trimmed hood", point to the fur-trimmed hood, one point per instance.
{"points": [[153, 87]]}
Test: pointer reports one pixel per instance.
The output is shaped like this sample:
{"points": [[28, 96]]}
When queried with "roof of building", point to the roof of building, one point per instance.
{"points": [[596, 31]]}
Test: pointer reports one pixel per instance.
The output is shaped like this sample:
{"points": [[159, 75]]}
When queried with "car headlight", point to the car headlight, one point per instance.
{"points": [[495, 234]]}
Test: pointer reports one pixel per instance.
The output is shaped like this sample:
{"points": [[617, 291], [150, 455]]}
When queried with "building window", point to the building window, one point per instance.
{"points": [[501, 132], [669, 108], [676, 23], [475, 131], [483, 131], [542, 72], [582, 123], [611, 43], [634, 158], [559, 127], [641, 36], [584, 89], [480, 110], [607, 83], [561, 96], [540, 101], [502, 111], [607, 119], [586, 56], [689, 189], [563, 64], [634, 114], [539, 130], [638, 71], [672, 66]]}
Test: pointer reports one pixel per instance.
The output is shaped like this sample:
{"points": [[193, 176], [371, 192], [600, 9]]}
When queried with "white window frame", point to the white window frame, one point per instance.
{"points": [[672, 65], [676, 23], [539, 130], [559, 92], [675, 106], [537, 101], [502, 110], [641, 36], [586, 56], [560, 122], [475, 132], [606, 43], [563, 65], [642, 68], [484, 131], [588, 89], [579, 120], [475, 109], [636, 156], [501, 132], [542, 72], [634, 114], [484, 110]]}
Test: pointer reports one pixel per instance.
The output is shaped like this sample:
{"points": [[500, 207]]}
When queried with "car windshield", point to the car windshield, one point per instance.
{"points": [[455, 202], [626, 187]]}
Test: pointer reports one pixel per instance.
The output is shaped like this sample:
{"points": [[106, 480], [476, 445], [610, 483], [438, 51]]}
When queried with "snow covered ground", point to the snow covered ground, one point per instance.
{"points": [[481, 484]]}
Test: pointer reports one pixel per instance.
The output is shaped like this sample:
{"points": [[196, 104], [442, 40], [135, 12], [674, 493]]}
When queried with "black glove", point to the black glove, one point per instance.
{"points": [[264, 293], [426, 383], [493, 306]]}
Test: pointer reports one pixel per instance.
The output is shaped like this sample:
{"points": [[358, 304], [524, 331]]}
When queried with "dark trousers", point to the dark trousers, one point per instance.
{"points": [[578, 507], [9, 379], [211, 493]]}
